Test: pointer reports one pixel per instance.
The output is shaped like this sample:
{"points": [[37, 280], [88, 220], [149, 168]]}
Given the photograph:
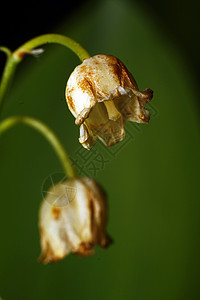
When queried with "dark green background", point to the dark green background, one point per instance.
{"points": [[151, 181]]}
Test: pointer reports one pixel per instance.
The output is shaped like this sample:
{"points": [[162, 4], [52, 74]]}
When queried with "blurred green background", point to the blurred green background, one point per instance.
{"points": [[151, 177]]}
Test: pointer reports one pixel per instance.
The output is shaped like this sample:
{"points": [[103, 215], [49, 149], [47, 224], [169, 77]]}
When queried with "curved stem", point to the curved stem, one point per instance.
{"points": [[6, 50], [47, 133], [52, 38], [7, 77], [15, 57]]}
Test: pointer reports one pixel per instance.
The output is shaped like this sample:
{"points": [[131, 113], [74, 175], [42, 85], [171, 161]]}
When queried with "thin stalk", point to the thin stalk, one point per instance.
{"points": [[6, 50], [55, 39], [7, 77], [49, 136], [15, 57]]}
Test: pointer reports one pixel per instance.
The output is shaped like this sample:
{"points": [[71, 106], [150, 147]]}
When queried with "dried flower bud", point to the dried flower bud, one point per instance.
{"points": [[73, 218], [102, 94]]}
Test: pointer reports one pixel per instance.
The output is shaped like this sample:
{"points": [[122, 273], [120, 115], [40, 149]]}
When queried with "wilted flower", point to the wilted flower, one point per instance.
{"points": [[102, 94], [73, 218]]}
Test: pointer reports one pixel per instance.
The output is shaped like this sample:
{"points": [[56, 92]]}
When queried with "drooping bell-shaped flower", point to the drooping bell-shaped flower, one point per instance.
{"points": [[102, 94], [73, 218]]}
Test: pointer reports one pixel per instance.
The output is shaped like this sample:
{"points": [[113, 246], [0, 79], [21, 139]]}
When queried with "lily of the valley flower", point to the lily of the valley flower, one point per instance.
{"points": [[73, 218], [102, 94]]}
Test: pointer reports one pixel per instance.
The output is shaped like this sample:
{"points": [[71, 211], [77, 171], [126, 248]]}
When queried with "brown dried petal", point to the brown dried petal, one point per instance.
{"points": [[102, 94], [76, 227]]}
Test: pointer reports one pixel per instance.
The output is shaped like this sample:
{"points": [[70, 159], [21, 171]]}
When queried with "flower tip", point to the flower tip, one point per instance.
{"points": [[148, 94], [85, 249], [107, 242], [46, 260], [87, 139]]}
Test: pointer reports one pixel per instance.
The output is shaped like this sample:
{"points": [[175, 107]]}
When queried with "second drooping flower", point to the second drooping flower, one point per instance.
{"points": [[73, 218]]}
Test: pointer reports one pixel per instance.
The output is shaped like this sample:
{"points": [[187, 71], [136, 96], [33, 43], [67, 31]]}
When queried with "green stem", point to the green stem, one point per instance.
{"points": [[47, 133], [6, 50], [15, 57], [7, 77], [52, 38]]}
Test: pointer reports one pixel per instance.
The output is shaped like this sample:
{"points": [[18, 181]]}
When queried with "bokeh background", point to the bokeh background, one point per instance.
{"points": [[151, 178]]}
